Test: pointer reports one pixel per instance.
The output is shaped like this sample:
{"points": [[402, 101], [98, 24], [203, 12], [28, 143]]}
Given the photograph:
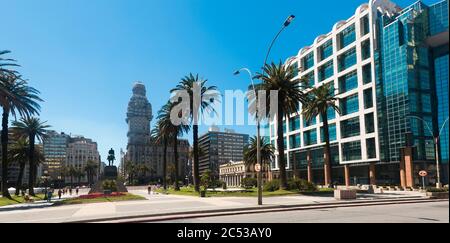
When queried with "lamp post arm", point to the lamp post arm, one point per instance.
{"points": [[442, 128]]}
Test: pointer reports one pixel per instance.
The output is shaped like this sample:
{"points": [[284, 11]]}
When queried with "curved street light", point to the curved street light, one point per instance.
{"points": [[436, 145], [286, 23]]}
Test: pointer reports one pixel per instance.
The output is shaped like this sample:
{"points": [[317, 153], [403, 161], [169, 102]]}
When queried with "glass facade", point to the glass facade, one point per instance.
{"points": [[326, 50], [310, 137], [365, 50], [294, 141], [350, 128], [442, 75], [351, 151], [348, 82], [347, 36], [294, 123], [368, 98], [349, 105], [326, 71], [308, 61], [310, 79], [367, 74], [347, 59]]}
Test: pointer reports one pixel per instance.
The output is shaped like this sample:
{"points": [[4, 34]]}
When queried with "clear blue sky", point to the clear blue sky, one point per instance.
{"points": [[85, 55]]}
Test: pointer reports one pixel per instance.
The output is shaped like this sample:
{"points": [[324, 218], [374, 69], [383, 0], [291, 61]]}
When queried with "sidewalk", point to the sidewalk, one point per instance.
{"points": [[166, 205]]}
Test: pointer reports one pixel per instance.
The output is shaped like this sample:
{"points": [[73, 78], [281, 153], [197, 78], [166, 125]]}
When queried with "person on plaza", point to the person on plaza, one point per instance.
{"points": [[149, 190], [59, 193], [76, 191], [49, 195], [70, 191]]}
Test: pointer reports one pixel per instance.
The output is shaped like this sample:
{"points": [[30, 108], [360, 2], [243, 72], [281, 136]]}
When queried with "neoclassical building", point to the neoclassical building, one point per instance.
{"points": [[141, 148]]}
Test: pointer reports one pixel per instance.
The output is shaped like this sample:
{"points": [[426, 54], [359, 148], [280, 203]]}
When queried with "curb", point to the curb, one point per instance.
{"points": [[3, 209], [252, 210]]}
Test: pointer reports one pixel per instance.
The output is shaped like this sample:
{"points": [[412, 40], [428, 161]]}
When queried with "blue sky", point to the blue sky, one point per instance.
{"points": [[85, 55]]}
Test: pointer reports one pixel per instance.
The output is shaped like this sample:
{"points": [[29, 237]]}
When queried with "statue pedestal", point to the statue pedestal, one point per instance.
{"points": [[110, 173]]}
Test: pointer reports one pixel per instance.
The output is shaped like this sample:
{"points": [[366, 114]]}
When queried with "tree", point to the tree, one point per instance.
{"points": [[173, 131], [320, 100], [79, 173], [267, 153], [203, 97], [72, 172], [281, 78], [160, 137], [19, 153], [91, 171], [16, 97], [31, 128], [130, 170]]}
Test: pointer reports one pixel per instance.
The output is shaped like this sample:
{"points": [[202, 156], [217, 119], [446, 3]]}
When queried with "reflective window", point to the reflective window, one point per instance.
{"points": [[310, 137], [349, 105], [350, 128], [351, 151], [348, 82], [326, 71], [347, 59]]}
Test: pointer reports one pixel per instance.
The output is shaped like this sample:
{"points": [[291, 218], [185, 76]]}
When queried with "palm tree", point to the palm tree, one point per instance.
{"points": [[91, 171], [281, 78], [173, 131], [16, 97], [79, 173], [31, 128], [6, 64], [203, 97], [160, 137], [72, 172], [19, 153], [130, 169], [267, 153], [320, 100]]}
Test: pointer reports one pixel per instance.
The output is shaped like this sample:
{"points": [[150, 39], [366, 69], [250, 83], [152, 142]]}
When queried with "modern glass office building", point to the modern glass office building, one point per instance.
{"points": [[389, 68]]}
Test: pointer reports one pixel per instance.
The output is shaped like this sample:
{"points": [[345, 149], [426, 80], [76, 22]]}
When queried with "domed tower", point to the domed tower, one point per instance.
{"points": [[139, 116]]}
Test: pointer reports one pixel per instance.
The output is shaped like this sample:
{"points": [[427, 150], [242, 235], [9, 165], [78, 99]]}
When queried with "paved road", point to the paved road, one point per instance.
{"points": [[156, 204], [437, 212]]}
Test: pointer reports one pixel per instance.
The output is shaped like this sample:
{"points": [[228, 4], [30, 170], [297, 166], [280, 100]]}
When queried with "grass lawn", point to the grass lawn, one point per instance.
{"points": [[18, 199], [127, 197], [184, 191]]}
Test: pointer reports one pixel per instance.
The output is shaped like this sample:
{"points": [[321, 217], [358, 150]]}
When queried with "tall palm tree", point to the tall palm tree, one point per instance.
{"points": [[130, 169], [16, 98], [32, 128], [267, 153], [204, 97], [19, 153], [79, 173], [6, 64], [162, 138], [174, 132], [281, 78], [320, 100], [71, 172], [91, 171]]}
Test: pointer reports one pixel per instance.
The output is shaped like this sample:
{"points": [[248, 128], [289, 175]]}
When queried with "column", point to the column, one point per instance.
{"points": [[310, 172], [347, 175], [406, 168], [372, 174]]}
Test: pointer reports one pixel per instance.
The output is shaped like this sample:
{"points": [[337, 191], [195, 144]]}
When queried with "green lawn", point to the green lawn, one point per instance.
{"points": [[184, 191], [18, 199], [127, 197]]}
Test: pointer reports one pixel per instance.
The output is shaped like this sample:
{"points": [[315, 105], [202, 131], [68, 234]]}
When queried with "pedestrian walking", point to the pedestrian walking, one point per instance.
{"points": [[149, 190], [76, 191], [49, 195], [59, 193], [70, 191]]}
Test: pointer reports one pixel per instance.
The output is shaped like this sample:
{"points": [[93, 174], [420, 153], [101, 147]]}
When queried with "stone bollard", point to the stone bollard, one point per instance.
{"points": [[345, 194]]}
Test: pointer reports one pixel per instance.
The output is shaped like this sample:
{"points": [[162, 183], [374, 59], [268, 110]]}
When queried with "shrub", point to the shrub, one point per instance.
{"points": [[433, 189], [224, 185], [301, 185], [272, 186], [249, 183], [109, 185]]}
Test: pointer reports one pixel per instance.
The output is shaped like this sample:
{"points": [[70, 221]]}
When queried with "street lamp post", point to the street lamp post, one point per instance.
{"points": [[286, 23], [436, 147]]}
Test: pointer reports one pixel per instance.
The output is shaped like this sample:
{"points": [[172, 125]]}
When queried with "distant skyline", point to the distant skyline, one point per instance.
{"points": [[85, 55]]}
